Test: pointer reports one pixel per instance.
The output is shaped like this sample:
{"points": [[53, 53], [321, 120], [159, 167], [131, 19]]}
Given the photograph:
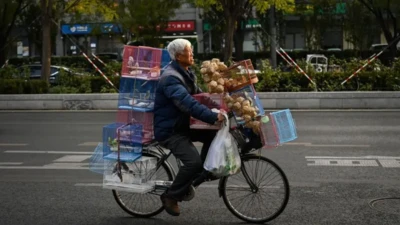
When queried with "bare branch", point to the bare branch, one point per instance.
{"points": [[368, 5], [75, 3]]}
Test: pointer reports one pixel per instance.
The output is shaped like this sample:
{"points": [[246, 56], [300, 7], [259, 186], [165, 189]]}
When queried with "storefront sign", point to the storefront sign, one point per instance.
{"points": [[251, 24], [77, 29], [181, 26]]}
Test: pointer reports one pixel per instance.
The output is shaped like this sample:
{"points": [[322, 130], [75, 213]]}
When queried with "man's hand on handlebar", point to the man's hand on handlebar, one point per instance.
{"points": [[221, 116]]}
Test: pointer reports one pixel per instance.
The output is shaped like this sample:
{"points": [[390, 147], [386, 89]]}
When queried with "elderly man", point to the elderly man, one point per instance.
{"points": [[174, 105]]}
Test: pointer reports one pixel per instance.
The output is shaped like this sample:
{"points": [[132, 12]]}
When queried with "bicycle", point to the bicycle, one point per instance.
{"points": [[274, 192]]}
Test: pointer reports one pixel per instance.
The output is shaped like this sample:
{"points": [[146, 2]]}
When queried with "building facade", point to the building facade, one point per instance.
{"points": [[187, 23]]}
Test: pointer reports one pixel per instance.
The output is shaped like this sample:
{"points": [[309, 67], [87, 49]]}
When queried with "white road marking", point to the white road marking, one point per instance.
{"points": [[89, 185], [297, 143], [72, 158], [43, 168], [337, 146], [12, 144], [308, 144], [352, 157], [354, 161], [47, 152], [67, 166], [10, 163], [390, 163], [101, 184], [90, 144], [343, 162]]}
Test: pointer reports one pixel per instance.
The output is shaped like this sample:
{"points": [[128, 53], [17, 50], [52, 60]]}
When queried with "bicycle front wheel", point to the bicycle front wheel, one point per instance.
{"points": [[262, 201], [148, 204]]}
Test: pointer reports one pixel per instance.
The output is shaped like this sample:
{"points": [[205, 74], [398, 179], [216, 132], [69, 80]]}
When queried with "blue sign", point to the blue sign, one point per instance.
{"points": [[77, 29]]}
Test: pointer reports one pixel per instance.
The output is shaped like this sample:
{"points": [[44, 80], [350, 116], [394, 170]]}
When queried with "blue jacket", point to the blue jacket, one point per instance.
{"points": [[174, 103]]}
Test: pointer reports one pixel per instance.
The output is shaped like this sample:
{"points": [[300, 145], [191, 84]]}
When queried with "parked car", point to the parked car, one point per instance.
{"points": [[110, 56], [378, 47], [34, 71]]}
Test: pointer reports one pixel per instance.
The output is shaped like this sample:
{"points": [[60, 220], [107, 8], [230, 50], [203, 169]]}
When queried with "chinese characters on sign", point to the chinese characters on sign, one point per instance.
{"points": [[181, 26]]}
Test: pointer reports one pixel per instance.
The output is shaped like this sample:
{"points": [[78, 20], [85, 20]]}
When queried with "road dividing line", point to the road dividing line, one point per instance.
{"points": [[90, 144], [342, 162], [337, 146], [308, 144], [12, 144], [72, 158], [353, 161], [68, 166], [101, 185], [88, 185], [47, 152], [297, 143], [352, 157], [10, 163], [54, 167]]}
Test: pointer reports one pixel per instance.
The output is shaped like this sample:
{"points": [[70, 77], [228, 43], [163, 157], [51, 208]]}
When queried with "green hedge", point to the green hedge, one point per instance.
{"points": [[275, 81], [376, 77], [19, 86], [294, 82], [90, 84]]}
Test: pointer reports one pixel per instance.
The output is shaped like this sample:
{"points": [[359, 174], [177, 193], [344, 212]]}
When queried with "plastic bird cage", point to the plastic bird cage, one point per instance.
{"points": [[248, 92], [137, 176], [122, 141], [96, 161], [239, 75], [268, 132], [285, 125], [137, 94], [211, 101], [143, 62], [143, 118]]}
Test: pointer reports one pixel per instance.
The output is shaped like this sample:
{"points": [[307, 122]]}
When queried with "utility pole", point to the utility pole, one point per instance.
{"points": [[273, 46]]}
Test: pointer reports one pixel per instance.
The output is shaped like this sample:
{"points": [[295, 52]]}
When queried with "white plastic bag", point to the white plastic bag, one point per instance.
{"points": [[223, 157]]}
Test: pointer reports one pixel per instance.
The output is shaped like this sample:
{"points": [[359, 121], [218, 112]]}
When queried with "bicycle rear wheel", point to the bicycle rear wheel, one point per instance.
{"points": [[268, 197], [148, 204]]}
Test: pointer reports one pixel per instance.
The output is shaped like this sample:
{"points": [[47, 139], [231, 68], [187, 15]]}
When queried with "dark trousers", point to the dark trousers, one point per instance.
{"points": [[183, 149]]}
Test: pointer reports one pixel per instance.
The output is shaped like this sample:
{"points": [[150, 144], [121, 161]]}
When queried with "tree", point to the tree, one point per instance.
{"points": [[147, 20], [53, 10], [385, 12], [233, 10], [216, 24], [9, 11], [29, 20], [359, 24], [317, 16]]}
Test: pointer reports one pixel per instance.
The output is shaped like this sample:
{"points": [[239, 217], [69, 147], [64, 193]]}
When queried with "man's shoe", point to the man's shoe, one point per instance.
{"points": [[170, 205]]}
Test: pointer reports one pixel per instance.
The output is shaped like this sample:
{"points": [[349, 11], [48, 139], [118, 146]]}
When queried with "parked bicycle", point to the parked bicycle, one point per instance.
{"points": [[258, 194]]}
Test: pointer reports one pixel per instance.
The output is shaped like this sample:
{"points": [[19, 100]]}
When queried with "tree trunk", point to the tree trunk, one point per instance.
{"points": [[46, 6], [239, 39], [229, 30], [273, 37], [3, 50]]}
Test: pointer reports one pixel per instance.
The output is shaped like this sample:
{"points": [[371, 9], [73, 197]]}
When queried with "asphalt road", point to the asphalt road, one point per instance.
{"points": [[341, 162]]}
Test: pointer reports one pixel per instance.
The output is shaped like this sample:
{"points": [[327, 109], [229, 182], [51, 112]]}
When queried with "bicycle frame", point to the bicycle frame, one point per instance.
{"points": [[163, 156]]}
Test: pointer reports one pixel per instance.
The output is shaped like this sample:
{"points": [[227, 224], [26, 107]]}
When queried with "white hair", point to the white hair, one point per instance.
{"points": [[177, 46]]}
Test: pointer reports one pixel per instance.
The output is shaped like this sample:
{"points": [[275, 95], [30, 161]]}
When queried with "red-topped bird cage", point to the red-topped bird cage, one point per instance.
{"points": [[142, 62], [211, 101], [137, 117], [239, 75]]}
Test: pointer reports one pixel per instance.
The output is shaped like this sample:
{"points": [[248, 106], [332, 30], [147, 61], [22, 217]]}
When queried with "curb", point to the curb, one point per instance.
{"points": [[269, 100]]}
